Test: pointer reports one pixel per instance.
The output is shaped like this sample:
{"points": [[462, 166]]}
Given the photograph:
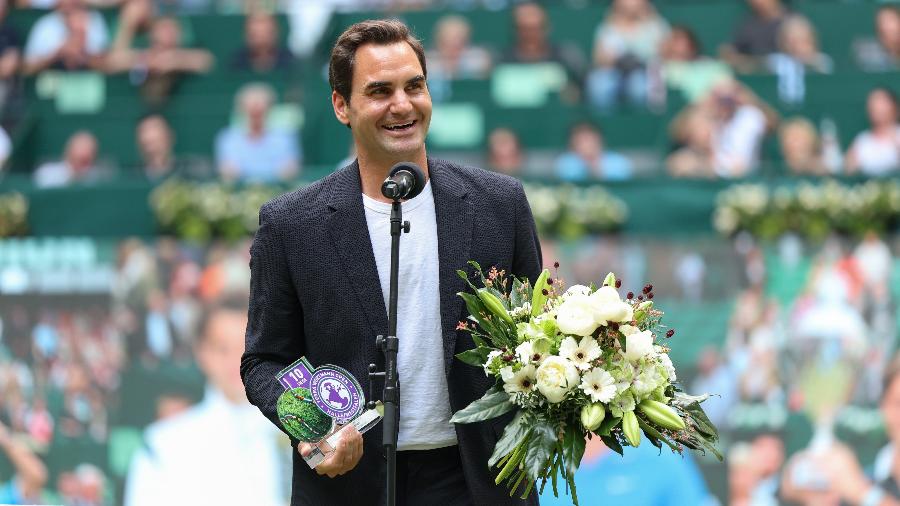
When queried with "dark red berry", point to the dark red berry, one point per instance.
{"points": [[670, 332], [618, 283], [629, 295], [545, 292], [640, 297], [549, 281], [650, 295], [556, 265]]}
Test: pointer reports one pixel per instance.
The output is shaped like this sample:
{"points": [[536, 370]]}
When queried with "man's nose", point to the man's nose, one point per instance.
{"points": [[400, 103]]}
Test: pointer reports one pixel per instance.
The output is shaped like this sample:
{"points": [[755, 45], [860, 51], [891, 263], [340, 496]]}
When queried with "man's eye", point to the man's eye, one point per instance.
{"points": [[380, 91]]}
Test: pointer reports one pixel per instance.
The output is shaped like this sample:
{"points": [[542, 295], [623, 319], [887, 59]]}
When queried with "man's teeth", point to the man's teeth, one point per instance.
{"points": [[399, 127]]}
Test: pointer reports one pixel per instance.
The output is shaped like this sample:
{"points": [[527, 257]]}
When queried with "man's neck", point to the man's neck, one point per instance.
{"points": [[373, 173]]}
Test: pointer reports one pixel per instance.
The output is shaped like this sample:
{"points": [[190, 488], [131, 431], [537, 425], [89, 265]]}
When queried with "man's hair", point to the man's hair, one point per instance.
{"points": [[374, 31]]}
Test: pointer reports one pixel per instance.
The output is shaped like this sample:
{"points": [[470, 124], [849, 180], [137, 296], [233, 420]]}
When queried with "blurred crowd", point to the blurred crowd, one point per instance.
{"points": [[638, 63]]}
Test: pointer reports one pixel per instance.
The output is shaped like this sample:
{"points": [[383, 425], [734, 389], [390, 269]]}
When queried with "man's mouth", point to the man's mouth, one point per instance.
{"points": [[399, 127]]}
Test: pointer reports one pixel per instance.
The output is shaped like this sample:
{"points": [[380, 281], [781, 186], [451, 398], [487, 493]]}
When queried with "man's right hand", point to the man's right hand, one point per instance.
{"points": [[346, 455]]}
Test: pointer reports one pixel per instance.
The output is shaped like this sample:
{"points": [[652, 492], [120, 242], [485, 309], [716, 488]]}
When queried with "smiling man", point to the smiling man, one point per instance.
{"points": [[320, 264]]}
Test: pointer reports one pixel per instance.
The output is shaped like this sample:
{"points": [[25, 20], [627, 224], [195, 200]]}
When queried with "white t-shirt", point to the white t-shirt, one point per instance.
{"points": [[736, 142], [877, 156], [424, 399]]}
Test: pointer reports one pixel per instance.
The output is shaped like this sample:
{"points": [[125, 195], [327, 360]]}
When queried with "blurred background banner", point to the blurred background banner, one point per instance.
{"points": [[743, 155]]}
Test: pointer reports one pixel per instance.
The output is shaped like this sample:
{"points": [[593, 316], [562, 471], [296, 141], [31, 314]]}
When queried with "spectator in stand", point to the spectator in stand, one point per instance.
{"points": [[587, 159], [532, 43], [798, 54], [882, 53], [505, 152], [839, 474], [30, 474], [627, 40], [800, 148], [83, 486], [739, 123], [876, 151], [255, 152], [79, 163], [10, 58], [157, 68], [454, 57], [684, 67], [195, 452], [696, 156], [69, 38], [154, 140], [262, 51], [756, 37]]}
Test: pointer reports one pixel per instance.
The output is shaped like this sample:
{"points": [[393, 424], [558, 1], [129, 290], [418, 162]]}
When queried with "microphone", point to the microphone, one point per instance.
{"points": [[405, 180]]}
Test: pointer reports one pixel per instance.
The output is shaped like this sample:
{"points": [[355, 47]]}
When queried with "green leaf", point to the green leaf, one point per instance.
{"points": [[654, 436], [513, 435], [463, 274], [475, 357], [573, 448], [476, 308], [612, 443], [607, 425], [684, 400], [517, 294], [494, 403], [541, 445]]}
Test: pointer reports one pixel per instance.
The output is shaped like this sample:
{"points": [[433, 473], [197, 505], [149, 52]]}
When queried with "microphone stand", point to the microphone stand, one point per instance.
{"points": [[389, 346]]}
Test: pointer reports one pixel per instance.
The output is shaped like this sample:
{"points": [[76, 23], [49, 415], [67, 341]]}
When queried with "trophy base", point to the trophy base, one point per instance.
{"points": [[325, 447]]}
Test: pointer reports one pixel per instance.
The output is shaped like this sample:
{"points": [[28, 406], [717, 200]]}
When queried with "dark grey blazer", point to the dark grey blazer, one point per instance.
{"points": [[314, 291]]}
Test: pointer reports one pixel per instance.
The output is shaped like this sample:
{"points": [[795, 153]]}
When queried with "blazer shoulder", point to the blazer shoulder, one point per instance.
{"points": [[299, 203], [481, 180]]}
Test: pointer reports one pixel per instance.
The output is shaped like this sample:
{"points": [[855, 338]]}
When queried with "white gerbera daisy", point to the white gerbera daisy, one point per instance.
{"points": [[599, 385], [581, 353], [521, 381]]}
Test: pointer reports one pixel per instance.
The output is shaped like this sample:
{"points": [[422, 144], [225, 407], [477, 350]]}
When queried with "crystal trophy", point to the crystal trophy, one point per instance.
{"points": [[318, 402]]}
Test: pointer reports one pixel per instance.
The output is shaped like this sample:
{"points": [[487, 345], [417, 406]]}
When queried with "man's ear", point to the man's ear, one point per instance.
{"points": [[340, 105]]}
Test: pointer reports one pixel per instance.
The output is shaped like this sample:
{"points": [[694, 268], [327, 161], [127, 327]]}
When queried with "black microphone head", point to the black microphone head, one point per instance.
{"points": [[418, 176]]}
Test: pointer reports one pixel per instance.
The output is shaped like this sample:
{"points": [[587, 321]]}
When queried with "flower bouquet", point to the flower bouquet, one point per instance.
{"points": [[574, 364]]}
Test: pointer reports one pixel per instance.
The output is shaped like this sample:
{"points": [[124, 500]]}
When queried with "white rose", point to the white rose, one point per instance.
{"points": [[639, 345], [577, 290], [608, 307], [576, 316], [490, 361], [668, 366], [555, 377], [627, 330]]}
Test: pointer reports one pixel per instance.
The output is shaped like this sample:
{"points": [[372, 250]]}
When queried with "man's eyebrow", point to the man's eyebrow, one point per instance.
{"points": [[377, 84], [419, 78]]}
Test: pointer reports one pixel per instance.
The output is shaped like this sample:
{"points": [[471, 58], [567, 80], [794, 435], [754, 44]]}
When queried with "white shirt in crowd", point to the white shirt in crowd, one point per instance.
{"points": [[50, 32], [736, 142], [876, 156], [217, 452], [424, 399]]}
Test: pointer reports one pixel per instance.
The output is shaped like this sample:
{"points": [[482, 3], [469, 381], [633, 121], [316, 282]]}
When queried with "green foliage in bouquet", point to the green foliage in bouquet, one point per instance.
{"points": [[13, 214], [203, 211], [571, 212], [300, 416], [583, 363], [812, 211]]}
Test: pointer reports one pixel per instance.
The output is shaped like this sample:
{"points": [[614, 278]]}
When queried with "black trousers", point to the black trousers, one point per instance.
{"points": [[431, 477]]}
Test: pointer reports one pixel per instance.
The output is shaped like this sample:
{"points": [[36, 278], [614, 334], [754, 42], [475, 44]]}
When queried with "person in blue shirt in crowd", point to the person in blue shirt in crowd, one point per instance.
{"points": [[587, 159], [644, 476]]}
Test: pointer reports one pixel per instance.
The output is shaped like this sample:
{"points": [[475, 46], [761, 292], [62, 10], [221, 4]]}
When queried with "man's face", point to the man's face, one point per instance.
{"points": [[390, 108], [219, 352], [890, 409]]}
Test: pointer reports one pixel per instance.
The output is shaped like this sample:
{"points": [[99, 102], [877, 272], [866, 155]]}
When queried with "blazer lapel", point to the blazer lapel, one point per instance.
{"points": [[347, 228], [454, 215]]}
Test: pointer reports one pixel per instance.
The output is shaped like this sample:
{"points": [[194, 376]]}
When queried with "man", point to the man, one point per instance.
{"points": [[220, 451], [319, 282], [257, 152], [79, 163]]}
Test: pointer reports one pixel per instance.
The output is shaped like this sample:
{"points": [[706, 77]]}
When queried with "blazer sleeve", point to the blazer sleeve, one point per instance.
{"points": [[274, 337], [527, 259]]}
